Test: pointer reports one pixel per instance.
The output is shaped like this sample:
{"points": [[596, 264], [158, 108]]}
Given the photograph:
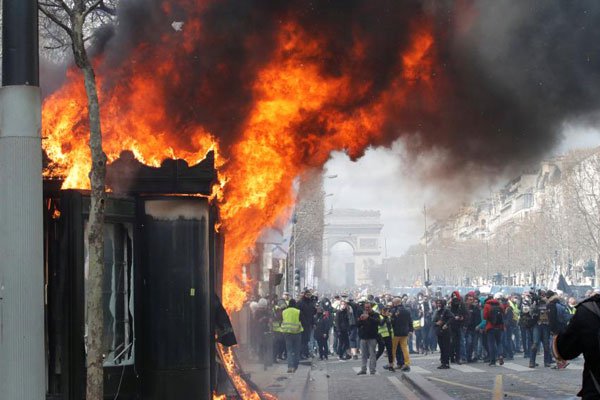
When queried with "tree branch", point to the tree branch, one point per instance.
{"points": [[56, 20]]}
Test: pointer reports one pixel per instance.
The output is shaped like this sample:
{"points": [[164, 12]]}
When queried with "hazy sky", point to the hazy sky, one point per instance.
{"points": [[385, 180]]}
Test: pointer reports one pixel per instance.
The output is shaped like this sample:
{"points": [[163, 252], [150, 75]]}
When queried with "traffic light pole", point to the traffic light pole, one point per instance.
{"points": [[22, 360]]}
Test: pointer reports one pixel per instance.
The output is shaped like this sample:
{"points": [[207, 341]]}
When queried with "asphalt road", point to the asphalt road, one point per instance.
{"points": [[337, 380]]}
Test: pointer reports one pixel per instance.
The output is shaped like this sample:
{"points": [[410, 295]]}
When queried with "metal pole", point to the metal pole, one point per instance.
{"points": [[425, 266], [22, 359]]}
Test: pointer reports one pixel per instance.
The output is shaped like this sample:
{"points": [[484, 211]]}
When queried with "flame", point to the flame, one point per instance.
{"points": [[298, 118], [230, 364]]}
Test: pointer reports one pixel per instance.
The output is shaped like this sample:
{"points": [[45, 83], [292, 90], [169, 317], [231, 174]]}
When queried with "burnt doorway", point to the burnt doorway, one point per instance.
{"points": [[176, 308]]}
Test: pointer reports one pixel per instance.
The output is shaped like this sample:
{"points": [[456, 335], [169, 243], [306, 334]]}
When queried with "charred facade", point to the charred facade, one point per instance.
{"points": [[161, 267]]}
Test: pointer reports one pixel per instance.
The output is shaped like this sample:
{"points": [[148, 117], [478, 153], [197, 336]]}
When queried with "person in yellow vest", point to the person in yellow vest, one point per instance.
{"points": [[278, 339], [292, 332], [384, 341], [513, 328]]}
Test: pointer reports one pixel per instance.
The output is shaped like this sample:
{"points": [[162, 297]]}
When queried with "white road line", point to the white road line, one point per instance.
{"points": [[357, 369], [419, 370], [517, 367], [404, 391], [465, 368]]}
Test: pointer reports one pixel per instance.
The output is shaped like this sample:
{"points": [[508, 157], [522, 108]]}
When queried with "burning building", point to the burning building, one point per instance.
{"points": [[272, 88]]}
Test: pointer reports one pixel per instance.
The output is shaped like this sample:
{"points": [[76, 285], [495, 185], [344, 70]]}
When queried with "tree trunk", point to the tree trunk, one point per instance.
{"points": [[95, 314]]}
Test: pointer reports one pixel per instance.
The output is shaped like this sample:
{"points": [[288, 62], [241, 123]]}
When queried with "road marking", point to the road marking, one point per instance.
{"points": [[419, 370], [498, 392], [404, 391], [465, 368], [431, 378], [517, 367], [357, 370]]}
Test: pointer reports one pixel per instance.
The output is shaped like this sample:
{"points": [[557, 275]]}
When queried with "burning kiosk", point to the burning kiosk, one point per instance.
{"points": [[161, 258]]}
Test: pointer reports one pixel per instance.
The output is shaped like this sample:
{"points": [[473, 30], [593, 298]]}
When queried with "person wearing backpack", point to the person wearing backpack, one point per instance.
{"points": [[541, 330], [493, 313], [583, 336], [558, 315]]}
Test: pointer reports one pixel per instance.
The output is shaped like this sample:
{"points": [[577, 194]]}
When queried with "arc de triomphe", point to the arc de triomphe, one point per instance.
{"points": [[361, 229]]}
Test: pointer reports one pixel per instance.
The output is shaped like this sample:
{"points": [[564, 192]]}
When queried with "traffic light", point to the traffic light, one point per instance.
{"points": [[297, 279]]}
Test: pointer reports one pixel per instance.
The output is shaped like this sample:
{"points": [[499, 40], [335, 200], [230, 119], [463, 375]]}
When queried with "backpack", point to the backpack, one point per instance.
{"points": [[562, 314], [496, 315]]}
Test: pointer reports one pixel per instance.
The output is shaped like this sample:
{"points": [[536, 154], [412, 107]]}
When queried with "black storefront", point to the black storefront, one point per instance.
{"points": [[161, 258]]}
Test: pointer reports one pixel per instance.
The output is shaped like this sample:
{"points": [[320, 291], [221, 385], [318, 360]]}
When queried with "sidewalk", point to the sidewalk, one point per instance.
{"points": [[278, 382]]}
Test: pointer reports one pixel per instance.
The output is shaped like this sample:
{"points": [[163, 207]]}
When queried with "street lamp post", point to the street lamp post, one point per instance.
{"points": [[22, 359]]}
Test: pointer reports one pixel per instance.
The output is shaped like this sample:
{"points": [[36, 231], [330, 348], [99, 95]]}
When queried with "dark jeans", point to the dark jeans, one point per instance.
{"points": [[419, 339], [278, 346], [385, 343], [323, 346], [444, 343], [507, 342], [456, 333], [470, 343], [292, 346], [343, 343], [526, 337], [541, 333], [494, 340], [304, 343]]}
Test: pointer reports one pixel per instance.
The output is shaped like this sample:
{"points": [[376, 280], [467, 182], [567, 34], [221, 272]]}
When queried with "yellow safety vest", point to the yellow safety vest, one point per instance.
{"points": [[571, 310], [383, 329], [291, 321], [515, 309], [276, 324]]}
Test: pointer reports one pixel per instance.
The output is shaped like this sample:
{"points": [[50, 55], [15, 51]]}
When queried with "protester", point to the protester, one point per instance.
{"points": [[402, 326], [493, 313], [292, 331], [368, 328], [582, 336], [441, 320]]}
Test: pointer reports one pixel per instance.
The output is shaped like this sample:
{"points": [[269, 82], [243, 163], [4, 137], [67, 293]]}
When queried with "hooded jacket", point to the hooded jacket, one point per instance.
{"points": [[487, 314], [401, 321]]}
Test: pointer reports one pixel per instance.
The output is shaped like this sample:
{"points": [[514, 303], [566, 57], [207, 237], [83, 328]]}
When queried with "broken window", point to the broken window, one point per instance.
{"points": [[117, 294]]}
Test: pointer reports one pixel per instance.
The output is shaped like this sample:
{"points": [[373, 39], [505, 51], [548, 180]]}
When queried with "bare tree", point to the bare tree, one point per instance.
{"points": [[74, 17], [583, 185]]}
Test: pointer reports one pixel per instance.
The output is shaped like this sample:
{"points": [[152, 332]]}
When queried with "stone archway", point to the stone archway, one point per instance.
{"points": [[361, 229]]}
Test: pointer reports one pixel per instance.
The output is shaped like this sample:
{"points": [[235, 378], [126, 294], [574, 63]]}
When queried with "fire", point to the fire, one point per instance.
{"points": [[230, 363], [298, 117]]}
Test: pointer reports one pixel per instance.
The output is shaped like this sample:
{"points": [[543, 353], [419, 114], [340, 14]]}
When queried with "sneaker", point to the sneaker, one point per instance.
{"points": [[492, 363], [355, 357], [361, 373], [547, 365], [443, 366], [372, 372], [290, 370], [391, 369], [501, 360], [406, 368], [387, 367], [531, 365]]}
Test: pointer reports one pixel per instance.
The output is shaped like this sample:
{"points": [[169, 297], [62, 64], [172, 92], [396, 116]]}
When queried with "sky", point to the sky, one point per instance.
{"points": [[385, 179]]}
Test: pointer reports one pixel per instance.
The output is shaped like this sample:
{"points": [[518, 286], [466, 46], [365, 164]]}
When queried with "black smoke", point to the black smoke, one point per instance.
{"points": [[508, 74]]}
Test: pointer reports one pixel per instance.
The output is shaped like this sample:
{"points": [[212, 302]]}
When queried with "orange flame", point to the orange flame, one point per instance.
{"points": [[277, 143]]}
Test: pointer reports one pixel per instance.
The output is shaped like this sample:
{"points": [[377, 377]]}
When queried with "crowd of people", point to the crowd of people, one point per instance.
{"points": [[465, 328]]}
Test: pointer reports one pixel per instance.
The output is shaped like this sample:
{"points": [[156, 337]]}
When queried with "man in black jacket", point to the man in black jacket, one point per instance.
{"points": [[457, 307], [441, 321], [368, 330], [402, 326], [342, 330], [582, 336], [307, 308]]}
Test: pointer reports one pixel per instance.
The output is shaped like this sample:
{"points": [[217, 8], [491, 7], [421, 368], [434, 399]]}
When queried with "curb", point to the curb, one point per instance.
{"points": [[425, 388], [297, 388]]}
